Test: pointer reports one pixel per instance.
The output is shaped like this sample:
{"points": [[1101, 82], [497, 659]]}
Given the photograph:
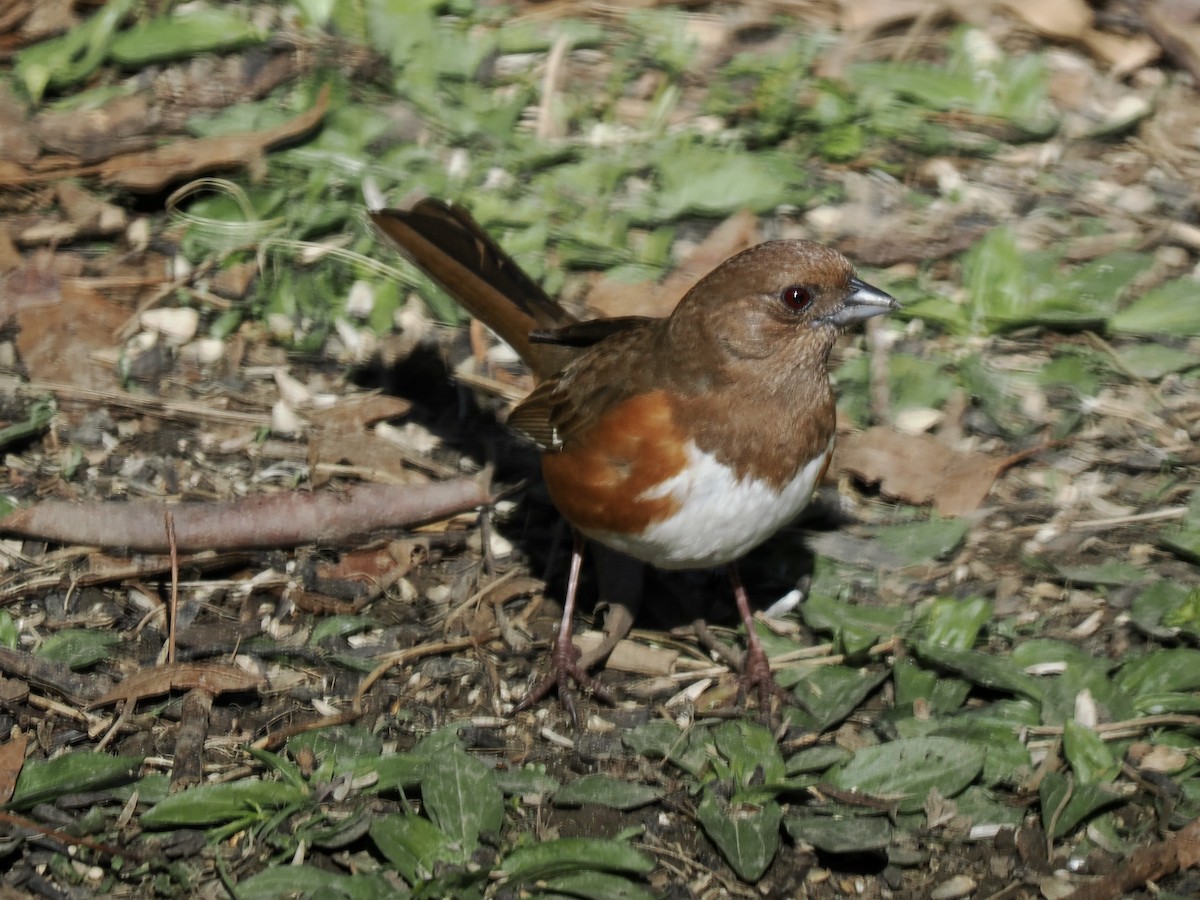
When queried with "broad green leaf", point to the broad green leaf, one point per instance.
{"points": [[831, 693], [914, 682], [1153, 361], [746, 834], [213, 804], [1166, 609], [187, 33], [826, 613], [42, 780], [1111, 572], [840, 834], [338, 626], [1184, 542], [904, 771], [307, 881], [1091, 759], [1173, 309], [566, 856], [396, 772], [347, 748], [415, 846], [956, 623], [462, 798], [72, 57], [753, 757], [597, 886], [1065, 803], [1162, 671], [37, 419], [981, 668], [79, 648], [816, 759], [605, 790], [705, 180], [922, 542], [531, 779], [981, 808], [664, 740]]}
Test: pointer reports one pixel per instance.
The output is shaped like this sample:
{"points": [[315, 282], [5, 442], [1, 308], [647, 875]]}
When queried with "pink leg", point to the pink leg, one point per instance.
{"points": [[563, 666], [756, 670]]}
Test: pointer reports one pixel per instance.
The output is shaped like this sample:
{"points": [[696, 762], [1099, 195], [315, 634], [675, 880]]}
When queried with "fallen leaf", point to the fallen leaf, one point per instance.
{"points": [[919, 469], [155, 169], [58, 345], [211, 677], [12, 760], [1059, 19]]}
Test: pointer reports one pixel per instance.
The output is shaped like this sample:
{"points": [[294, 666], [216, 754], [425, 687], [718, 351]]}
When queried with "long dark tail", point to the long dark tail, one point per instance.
{"points": [[451, 248]]}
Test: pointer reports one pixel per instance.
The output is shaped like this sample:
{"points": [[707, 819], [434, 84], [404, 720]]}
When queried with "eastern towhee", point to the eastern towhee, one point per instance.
{"points": [[685, 441]]}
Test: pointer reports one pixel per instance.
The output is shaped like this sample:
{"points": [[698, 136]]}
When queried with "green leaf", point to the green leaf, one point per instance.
{"points": [[462, 798], [831, 693], [415, 846], [905, 771], [1162, 671], [312, 882], [1110, 573], [395, 772], [840, 834], [72, 57], [186, 33], [213, 804], [1171, 309], [746, 834], [919, 542], [36, 420], [816, 759], [753, 757], [531, 779], [79, 648], [1066, 804], [981, 668], [604, 790], [826, 613], [702, 180], [956, 623], [664, 740], [597, 886], [566, 856], [1167, 608], [42, 780], [1153, 361], [915, 682], [1090, 758]]}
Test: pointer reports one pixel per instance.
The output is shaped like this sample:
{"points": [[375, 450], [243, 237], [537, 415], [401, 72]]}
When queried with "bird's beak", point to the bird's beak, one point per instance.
{"points": [[863, 302]]}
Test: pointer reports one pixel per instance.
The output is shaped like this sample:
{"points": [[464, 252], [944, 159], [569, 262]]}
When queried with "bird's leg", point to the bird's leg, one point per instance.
{"points": [[621, 581], [756, 669], [564, 666]]}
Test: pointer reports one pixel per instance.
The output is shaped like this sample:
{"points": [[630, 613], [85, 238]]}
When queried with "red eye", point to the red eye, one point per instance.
{"points": [[796, 297]]}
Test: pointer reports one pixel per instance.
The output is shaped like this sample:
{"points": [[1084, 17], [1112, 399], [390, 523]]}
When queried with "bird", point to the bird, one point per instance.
{"points": [[683, 441]]}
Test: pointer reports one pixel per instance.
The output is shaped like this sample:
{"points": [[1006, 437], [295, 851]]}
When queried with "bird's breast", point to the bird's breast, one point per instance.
{"points": [[638, 483]]}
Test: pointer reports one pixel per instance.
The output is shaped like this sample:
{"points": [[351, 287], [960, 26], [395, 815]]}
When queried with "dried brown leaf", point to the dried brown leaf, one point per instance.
{"points": [[12, 760], [154, 170], [1059, 19], [214, 678], [919, 469]]}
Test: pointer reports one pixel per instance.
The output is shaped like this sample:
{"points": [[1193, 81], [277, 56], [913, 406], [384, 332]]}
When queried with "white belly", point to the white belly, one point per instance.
{"points": [[720, 517]]}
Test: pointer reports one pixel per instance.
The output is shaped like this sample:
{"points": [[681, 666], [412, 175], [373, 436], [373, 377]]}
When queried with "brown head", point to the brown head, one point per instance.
{"points": [[782, 301]]}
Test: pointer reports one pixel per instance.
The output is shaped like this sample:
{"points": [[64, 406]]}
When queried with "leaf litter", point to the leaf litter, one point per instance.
{"points": [[1006, 675]]}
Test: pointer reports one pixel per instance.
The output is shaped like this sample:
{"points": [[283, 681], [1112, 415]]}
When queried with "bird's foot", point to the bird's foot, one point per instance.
{"points": [[565, 672]]}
